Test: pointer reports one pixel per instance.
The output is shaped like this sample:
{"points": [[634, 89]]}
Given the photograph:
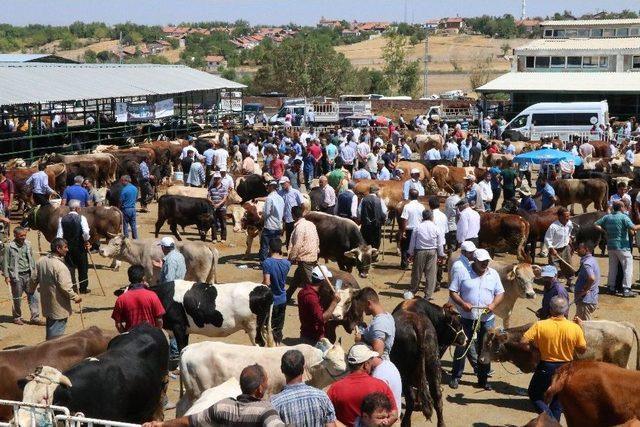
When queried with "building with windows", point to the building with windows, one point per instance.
{"points": [[592, 60]]}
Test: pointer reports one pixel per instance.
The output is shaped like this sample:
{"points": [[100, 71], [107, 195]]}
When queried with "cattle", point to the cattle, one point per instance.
{"points": [[316, 197], [251, 221], [125, 383], [181, 190], [210, 363], [585, 231], [405, 166], [583, 192], [104, 221], [496, 159], [424, 143], [601, 148], [99, 167], [341, 240], [228, 389], [391, 192], [61, 353], [216, 310], [200, 259], [349, 311], [543, 420], [183, 211], [539, 223], [56, 173], [250, 187], [596, 394], [607, 341], [504, 232], [517, 281], [447, 176]]}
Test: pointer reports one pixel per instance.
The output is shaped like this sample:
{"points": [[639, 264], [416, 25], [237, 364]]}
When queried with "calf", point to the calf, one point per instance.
{"points": [[517, 280], [585, 231], [583, 192], [125, 383], [250, 187], [183, 211]]}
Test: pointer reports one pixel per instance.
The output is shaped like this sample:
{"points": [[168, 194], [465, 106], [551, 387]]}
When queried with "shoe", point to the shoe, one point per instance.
{"points": [[37, 322], [485, 386], [454, 383], [18, 321], [628, 294], [85, 291]]}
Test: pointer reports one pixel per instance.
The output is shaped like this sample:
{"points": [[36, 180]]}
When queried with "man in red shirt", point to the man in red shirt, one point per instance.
{"points": [[277, 166], [348, 393], [316, 152], [7, 189], [138, 304], [312, 316]]}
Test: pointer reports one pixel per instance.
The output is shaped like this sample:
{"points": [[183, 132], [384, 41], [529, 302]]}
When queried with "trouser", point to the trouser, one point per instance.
{"points": [[129, 219], [487, 206], [372, 234], [349, 168], [301, 277], [425, 263], [55, 328], [475, 348], [19, 285], [277, 321], [78, 259], [526, 174], [404, 248], [208, 171], [266, 237], [496, 196], [174, 352], [288, 230], [540, 382], [451, 240], [585, 311], [219, 223], [509, 193], [625, 258], [565, 254], [146, 192], [41, 199], [308, 178]]}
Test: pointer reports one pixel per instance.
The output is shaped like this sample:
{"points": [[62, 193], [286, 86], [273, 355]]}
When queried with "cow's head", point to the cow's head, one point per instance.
{"points": [[205, 222], [353, 311], [493, 346], [233, 197], [344, 304], [453, 333], [113, 247], [38, 388], [252, 215], [331, 368], [522, 275], [363, 256]]}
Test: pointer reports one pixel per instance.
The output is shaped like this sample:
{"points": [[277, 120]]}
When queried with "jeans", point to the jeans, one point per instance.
{"points": [[266, 237], [277, 321], [540, 382], [55, 328], [288, 230], [308, 178], [496, 197], [625, 258], [174, 353], [404, 248], [219, 223], [475, 348], [129, 219], [18, 286]]}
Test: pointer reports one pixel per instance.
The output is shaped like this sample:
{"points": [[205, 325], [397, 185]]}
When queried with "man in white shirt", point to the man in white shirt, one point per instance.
{"points": [[440, 219], [372, 162], [432, 154], [629, 156], [252, 149], [485, 191], [383, 172], [227, 180], [414, 183], [558, 239], [410, 218], [188, 148], [362, 150], [221, 157], [209, 155], [329, 196], [362, 173], [426, 249], [451, 211], [405, 150], [468, 225]]}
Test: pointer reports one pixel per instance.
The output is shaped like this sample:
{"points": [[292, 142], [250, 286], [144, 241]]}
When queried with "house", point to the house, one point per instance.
{"points": [[214, 63], [377, 27], [158, 46], [348, 32], [175, 32], [329, 23], [453, 25], [529, 25], [431, 24], [141, 50]]}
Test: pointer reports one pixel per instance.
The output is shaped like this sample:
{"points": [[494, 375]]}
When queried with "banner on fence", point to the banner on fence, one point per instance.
{"points": [[143, 112]]}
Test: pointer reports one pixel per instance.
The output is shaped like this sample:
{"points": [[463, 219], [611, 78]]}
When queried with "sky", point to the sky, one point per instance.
{"points": [[303, 12]]}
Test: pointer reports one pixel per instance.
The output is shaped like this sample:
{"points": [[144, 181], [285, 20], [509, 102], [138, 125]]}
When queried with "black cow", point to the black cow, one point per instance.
{"points": [[316, 196], [113, 193], [341, 240], [585, 231], [183, 211], [125, 383], [250, 187]]}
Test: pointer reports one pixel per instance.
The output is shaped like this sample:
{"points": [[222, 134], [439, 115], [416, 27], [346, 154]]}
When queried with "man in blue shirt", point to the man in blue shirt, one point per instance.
{"points": [[552, 288], [128, 197], [546, 191], [526, 201], [587, 283], [274, 274], [76, 192], [39, 183], [291, 197]]}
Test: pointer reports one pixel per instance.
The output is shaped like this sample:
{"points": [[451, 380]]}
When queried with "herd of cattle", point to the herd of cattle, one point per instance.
{"points": [[86, 371]]}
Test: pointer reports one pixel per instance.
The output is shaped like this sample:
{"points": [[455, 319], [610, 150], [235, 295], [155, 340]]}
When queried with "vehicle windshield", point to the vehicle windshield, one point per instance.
{"points": [[518, 122]]}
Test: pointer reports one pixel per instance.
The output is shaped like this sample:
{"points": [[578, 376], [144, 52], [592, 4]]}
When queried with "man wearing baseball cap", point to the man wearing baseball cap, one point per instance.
{"points": [[348, 393], [476, 297], [172, 266], [218, 196], [413, 183], [552, 287]]}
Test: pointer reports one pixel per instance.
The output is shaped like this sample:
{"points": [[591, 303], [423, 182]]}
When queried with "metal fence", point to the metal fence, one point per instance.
{"points": [[39, 415], [79, 420]]}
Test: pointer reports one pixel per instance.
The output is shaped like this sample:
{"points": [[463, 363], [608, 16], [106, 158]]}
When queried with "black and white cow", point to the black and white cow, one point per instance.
{"points": [[125, 383]]}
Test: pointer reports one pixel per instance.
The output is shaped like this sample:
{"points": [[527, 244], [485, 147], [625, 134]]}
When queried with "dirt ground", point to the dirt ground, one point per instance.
{"points": [[466, 406]]}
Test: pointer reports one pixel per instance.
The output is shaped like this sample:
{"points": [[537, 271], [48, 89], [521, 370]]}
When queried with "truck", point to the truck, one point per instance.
{"points": [[453, 112], [319, 110]]}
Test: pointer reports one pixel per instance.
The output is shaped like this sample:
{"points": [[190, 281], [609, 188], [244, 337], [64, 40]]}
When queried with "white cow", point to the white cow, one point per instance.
{"points": [[210, 363], [229, 388]]}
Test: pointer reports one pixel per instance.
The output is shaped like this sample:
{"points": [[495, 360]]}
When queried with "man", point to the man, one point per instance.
{"points": [[486, 193], [375, 411], [558, 240], [312, 316], [299, 404], [347, 203], [413, 182], [275, 270], [95, 199], [172, 267], [509, 148], [527, 203], [558, 340], [468, 225], [587, 283], [381, 332], [39, 183], [451, 211], [272, 213], [248, 409], [385, 370], [292, 198], [621, 195], [190, 148], [217, 194], [293, 173], [348, 155], [137, 305], [384, 174], [362, 173], [186, 163], [19, 269], [425, 247], [476, 298], [226, 179], [221, 156], [405, 150], [410, 218], [546, 192], [209, 157], [248, 164], [552, 287], [277, 166], [329, 196], [439, 219], [56, 288], [8, 191], [474, 195], [302, 250], [146, 191], [197, 177], [74, 228], [475, 152], [372, 214], [362, 151], [128, 197], [348, 393], [524, 171], [432, 154], [629, 157], [509, 181], [76, 192], [586, 150], [617, 226]]}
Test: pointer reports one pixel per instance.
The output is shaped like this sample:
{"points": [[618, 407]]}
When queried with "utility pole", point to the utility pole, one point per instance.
{"points": [[426, 67], [405, 11], [120, 52], [523, 15]]}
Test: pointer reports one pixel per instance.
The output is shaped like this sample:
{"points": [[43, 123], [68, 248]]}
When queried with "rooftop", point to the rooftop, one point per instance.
{"points": [[32, 57], [30, 83], [564, 82], [619, 43], [590, 22]]}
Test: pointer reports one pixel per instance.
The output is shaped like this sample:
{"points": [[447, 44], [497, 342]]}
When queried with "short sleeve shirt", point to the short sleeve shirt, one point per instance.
{"points": [[383, 328], [479, 291], [556, 338], [508, 179], [137, 306], [617, 226], [588, 267], [277, 269]]}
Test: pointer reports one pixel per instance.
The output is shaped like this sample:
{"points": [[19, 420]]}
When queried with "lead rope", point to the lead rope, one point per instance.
{"points": [[476, 328]]}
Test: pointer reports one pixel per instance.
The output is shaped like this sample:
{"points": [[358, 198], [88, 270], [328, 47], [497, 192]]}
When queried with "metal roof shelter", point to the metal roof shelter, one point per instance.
{"points": [[37, 83], [34, 57], [564, 82], [589, 22], [628, 43]]}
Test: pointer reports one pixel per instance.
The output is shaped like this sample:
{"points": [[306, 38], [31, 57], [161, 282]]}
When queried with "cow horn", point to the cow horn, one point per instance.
{"points": [[64, 380], [111, 235]]}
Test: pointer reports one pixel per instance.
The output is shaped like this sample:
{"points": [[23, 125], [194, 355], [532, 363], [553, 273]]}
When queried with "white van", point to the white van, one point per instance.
{"points": [[557, 119]]}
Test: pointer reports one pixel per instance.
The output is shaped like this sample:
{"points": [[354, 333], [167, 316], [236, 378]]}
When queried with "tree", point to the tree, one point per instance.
{"points": [[505, 48], [90, 57], [409, 77], [481, 74], [401, 77], [228, 73], [69, 41]]}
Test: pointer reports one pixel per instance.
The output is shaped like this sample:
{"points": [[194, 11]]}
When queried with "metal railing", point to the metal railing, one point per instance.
{"points": [[46, 413], [79, 420]]}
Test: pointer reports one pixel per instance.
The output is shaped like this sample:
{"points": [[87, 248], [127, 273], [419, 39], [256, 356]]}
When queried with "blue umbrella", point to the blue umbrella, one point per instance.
{"points": [[547, 156]]}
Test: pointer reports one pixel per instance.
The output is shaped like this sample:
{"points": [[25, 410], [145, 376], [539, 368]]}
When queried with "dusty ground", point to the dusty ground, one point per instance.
{"points": [[462, 407]]}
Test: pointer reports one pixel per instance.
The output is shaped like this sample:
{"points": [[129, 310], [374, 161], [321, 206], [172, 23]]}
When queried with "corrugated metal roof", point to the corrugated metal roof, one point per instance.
{"points": [[590, 22], [582, 44], [21, 57], [26, 83], [564, 82]]}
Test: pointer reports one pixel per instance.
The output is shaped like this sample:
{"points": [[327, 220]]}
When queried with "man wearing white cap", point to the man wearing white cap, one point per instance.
{"points": [[461, 268], [413, 182], [476, 298], [172, 266], [226, 179], [410, 219], [218, 196], [312, 316]]}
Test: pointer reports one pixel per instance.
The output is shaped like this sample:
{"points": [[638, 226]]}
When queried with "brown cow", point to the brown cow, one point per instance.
{"points": [[424, 143], [595, 393], [406, 167], [104, 165], [582, 191], [57, 174], [446, 176], [60, 353], [600, 148], [496, 159], [539, 223], [504, 232]]}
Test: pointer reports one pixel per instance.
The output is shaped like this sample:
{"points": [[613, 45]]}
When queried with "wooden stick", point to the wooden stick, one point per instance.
{"points": [[81, 315], [97, 275]]}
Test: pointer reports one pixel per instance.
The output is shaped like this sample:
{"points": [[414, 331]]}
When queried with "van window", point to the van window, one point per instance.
{"points": [[563, 119], [622, 32], [519, 122], [531, 60], [574, 61], [542, 62], [548, 32], [583, 33]]}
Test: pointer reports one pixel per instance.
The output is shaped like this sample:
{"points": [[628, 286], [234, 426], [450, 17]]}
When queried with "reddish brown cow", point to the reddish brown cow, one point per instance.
{"points": [[596, 393], [583, 192], [406, 167], [100, 167], [446, 176], [539, 223], [600, 148], [504, 232], [61, 353], [57, 174]]}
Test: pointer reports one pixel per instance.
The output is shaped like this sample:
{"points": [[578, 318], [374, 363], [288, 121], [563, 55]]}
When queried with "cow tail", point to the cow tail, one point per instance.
{"points": [[423, 386], [269, 338], [213, 275], [558, 382], [637, 338]]}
